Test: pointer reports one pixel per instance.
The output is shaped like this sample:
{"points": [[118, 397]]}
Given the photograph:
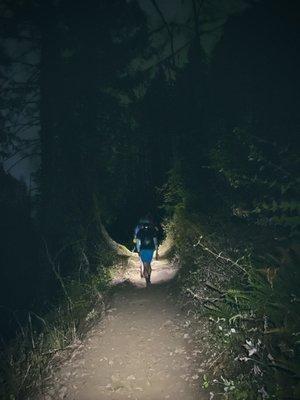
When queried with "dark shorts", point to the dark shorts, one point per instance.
{"points": [[146, 255]]}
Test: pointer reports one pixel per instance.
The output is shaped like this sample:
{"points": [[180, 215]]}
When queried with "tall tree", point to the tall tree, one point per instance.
{"points": [[86, 48]]}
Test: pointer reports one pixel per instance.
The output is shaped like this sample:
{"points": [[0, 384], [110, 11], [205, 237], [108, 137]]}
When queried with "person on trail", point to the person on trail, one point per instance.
{"points": [[146, 242]]}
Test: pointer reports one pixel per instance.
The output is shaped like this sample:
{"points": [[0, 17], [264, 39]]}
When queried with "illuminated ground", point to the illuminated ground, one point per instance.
{"points": [[143, 349]]}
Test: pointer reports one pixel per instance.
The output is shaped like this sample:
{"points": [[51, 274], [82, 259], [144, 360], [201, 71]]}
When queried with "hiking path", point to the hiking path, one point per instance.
{"points": [[143, 349]]}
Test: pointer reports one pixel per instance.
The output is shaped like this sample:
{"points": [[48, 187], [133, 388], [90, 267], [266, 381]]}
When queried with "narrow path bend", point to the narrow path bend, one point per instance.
{"points": [[142, 350]]}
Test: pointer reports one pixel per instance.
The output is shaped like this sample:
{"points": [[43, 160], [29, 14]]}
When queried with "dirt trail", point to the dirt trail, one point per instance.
{"points": [[141, 350]]}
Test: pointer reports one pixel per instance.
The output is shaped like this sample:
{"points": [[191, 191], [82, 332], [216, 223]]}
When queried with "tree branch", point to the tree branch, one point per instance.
{"points": [[219, 256], [21, 159], [155, 5], [168, 57]]}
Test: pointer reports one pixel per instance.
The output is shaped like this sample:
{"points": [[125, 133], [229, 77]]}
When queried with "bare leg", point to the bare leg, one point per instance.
{"points": [[142, 269], [147, 273]]}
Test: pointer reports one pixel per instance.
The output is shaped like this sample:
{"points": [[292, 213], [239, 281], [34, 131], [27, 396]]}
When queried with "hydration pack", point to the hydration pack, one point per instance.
{"points": [[146, 235]]}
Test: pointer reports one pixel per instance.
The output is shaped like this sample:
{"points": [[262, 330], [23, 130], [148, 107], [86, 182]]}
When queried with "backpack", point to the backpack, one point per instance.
{"points": [[146, 235]]}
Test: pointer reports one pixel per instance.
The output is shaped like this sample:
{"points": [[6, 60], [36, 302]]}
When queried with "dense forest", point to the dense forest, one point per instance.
{"points": [[110, 110]]}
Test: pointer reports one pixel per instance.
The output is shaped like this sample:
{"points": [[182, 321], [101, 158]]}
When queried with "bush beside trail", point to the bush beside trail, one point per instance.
{"points": [[51, 332], [250, 294]]}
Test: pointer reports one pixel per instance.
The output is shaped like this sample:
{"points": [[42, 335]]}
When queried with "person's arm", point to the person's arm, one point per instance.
{"points": [[136, 230], [156, 247], [138, 245], [138, 241]]}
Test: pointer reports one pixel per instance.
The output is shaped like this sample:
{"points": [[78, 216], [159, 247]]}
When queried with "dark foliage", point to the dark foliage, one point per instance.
{"points": [[215, 139], [20, 272]]}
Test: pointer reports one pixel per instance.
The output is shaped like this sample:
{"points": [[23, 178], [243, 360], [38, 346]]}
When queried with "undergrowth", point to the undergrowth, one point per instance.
{"points": [[250, 293], [45, 339]]}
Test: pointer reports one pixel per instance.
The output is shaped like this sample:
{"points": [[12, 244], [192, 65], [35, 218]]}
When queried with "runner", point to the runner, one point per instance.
{"points": [[146, 243]]}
